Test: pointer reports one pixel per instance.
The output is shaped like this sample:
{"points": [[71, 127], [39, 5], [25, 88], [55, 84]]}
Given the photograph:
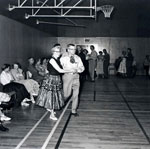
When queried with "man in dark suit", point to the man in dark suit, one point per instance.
{"points": [[106, 63]]}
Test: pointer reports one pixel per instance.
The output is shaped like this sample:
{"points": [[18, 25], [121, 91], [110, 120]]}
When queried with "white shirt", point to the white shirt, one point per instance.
{"points": [[5, 78], [67, 65]]}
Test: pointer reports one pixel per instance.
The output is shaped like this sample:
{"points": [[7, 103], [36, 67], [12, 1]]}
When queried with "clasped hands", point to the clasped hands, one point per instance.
{"points": [[74, 70]]}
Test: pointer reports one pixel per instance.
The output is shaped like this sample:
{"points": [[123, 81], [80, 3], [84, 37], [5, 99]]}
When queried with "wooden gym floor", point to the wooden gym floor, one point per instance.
{"points": [[114, 114]]}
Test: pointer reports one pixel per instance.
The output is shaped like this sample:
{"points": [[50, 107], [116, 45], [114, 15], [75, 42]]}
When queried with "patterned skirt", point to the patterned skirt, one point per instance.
{"points": [[51, 93]]}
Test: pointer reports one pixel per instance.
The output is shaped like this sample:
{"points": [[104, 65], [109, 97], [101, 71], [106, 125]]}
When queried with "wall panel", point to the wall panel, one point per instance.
{"points": [[18, 42], [115, 45]]}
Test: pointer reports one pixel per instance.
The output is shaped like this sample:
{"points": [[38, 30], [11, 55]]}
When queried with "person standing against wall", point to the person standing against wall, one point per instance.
{"points": [[146, 65], [71, 83], [99, 67], [92, 62], [106, 63], [129, 62]]}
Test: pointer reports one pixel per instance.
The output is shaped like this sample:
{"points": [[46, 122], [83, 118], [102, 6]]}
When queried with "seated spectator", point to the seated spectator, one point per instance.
{"points": [[41, 66], [9, 85], [33, 73], [4, 98], [31, 85], [44, 63]]}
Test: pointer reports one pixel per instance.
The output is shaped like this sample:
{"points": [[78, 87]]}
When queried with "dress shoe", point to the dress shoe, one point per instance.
{"points": [[5, 118], [51, 111], [2, 128], [53, 117], [75, 114], [24, 104], [6, 105]]}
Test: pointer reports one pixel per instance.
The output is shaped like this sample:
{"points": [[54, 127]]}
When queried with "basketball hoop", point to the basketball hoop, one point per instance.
{"points": [[106, 9]]}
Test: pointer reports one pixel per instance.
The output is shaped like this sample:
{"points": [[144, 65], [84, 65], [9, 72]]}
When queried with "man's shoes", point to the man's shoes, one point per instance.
{"points": [[75, 114], [2, 128], [5, 118]]}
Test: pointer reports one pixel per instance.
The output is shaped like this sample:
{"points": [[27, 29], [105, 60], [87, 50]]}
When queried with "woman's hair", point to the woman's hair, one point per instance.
{"points": [[54, 49], [38, 60], [124, 53], [56, 45], [85, 51], [70, 44], [5, 66], [129, 49], [100, 52], [92, 47], [16, 63]]}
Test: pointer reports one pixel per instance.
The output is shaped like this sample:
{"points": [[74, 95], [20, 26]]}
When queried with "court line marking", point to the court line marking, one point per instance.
{"points": [[29, 133], [55, 126], [63, 132], [133, 113], [121, 110]]}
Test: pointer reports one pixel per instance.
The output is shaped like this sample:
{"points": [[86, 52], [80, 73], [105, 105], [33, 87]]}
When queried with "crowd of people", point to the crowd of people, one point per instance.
{"points": [[49, 83], [126, 64], [44, 81], [96, 65]]}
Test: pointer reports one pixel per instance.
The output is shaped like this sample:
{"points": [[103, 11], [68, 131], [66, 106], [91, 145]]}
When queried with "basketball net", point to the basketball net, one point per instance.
{"points": [[106, 9]]}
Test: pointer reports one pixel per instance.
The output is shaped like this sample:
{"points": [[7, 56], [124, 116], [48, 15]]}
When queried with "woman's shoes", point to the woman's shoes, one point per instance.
{"points": [[26, 100], [53, 117], [50, 111], [24, 104], [4, 118]]}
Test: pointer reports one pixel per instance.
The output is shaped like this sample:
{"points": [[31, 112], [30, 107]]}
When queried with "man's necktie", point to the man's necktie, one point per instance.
{"points": [[72, 60]]}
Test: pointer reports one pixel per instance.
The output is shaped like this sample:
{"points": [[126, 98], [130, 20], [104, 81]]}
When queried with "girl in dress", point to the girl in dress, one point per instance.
{"points": [[51, 93], [122, 67], [99, 67]]}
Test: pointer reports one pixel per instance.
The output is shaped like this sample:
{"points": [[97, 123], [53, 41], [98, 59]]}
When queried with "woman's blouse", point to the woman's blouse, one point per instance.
{"points": [[17, 74], [5, 78], [41, 69], [51, 69], [100, 58]]}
